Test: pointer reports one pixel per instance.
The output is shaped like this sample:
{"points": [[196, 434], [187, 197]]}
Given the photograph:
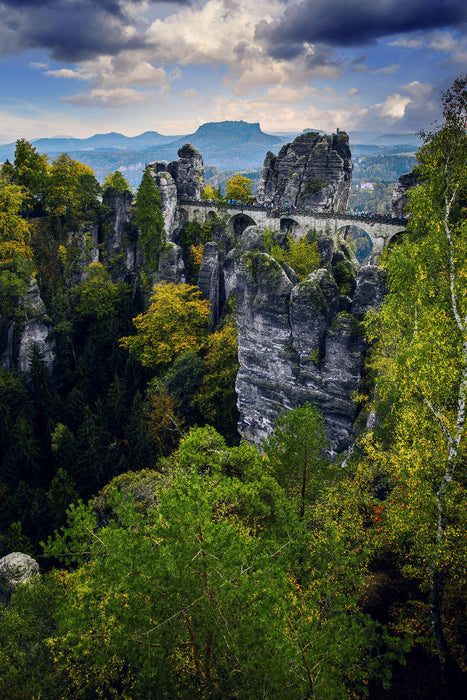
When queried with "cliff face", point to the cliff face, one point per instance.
{"points": [[17, 340], [180, 179], [313, 171], [399, 195], [122, 255], [296, 345]]}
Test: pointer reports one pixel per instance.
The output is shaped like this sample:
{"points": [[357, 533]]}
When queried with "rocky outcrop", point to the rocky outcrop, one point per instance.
{"points": [[178, 180], [16, 568], [19, 338], [168, 192], [313, 171], [121, 251], [83, 249], [399, 195], [209, 279], [36, 331], [297, 345], [171, 265], [188, 172]]}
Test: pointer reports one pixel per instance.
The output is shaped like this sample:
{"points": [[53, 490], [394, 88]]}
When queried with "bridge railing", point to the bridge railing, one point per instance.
{"points": [[275, 212]]}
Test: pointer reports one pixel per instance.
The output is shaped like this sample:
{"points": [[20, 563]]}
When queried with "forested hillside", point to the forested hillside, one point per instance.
{"points": [[177, 561]]}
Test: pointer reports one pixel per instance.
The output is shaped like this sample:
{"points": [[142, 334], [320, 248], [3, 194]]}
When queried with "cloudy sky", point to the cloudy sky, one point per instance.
{"points": [[79, 67]]}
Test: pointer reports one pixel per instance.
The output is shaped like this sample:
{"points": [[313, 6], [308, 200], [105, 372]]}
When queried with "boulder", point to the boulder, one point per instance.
{"points": [[15, 568]]}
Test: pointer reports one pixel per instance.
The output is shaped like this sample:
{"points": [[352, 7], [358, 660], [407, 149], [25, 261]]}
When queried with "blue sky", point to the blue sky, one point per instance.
{"points": [[80, 67]]}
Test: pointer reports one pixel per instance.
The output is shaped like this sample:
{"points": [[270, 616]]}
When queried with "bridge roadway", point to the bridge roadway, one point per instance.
{"points": [[380, 229]]}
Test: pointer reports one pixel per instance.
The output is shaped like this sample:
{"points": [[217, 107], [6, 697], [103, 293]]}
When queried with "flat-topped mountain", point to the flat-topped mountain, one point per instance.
{"points": [[231, 132]]}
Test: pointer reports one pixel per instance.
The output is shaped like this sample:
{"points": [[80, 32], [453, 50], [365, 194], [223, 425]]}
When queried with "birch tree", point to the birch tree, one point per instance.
{"points": [[421, 358]]}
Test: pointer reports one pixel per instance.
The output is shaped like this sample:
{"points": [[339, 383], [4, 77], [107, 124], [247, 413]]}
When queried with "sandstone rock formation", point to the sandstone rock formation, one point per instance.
{"points": [[15, 568], [178, 180], [171, 265], [209, 279], [168, 192], [297, 345], [122, 255], [399, 195], [313, 171], [18, 339]]}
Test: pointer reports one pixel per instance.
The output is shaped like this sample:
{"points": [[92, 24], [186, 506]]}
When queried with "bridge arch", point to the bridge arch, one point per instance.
{"points": [[289, 226], [360, 240], [239, 222]]}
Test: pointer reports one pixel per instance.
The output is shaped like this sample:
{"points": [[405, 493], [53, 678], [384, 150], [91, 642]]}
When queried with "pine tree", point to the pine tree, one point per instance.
{"points": [[149, 219]]}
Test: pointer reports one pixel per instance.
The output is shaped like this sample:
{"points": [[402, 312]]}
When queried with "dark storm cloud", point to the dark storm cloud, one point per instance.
{"points": [[71, 30], [356, 22]]}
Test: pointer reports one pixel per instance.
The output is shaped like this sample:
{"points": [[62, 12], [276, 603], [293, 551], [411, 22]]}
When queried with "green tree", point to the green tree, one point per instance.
{"points": [[29, 170], [296, 451], [302, 254], [421, 361], [71, 188], [195, 598], [216, 397], [15, 252], [239, 188], [116, 181], [176, 321], [149, 219]]}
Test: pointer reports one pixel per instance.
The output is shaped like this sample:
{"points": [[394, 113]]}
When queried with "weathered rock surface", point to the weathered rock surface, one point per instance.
{"points": [[181, 179], [296, 345], [313, 171], [209, 279], [86, 240], [399, 195], [121, 250], [18, 339], [370, 291], [15, 568], [171, 265], [168, 192], [188, 172]]}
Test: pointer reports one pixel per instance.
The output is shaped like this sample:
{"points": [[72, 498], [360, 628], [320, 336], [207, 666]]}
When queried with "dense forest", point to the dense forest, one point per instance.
{"points": [[179, 562]]}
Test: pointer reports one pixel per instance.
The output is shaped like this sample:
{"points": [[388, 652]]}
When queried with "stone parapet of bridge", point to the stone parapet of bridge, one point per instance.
{"points": [[380, 229]]}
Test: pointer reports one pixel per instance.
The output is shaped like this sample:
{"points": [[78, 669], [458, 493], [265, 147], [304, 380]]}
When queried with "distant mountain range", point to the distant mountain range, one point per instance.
{"points": [[227, 145]]}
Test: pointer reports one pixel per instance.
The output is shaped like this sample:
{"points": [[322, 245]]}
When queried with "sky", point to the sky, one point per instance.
{"points": [[81, 67]]}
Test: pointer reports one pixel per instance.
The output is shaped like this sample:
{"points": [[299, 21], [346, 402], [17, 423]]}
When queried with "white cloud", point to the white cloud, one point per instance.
{"points": [[387, 70], [394, 106], [114, 97], [68, 74], [280, 116], [409, 42]]}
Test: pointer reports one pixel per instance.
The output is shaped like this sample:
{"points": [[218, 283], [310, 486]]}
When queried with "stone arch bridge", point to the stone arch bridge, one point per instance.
{"points": [[379, 229]]}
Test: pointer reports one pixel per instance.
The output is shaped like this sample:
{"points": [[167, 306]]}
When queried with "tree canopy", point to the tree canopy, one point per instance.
{"points": [[239, 188], [176, 321], [149, 219]]}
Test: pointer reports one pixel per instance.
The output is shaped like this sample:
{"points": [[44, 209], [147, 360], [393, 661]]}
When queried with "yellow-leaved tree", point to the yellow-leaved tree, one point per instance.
{"points": [[15, 252], [176, 321]]}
